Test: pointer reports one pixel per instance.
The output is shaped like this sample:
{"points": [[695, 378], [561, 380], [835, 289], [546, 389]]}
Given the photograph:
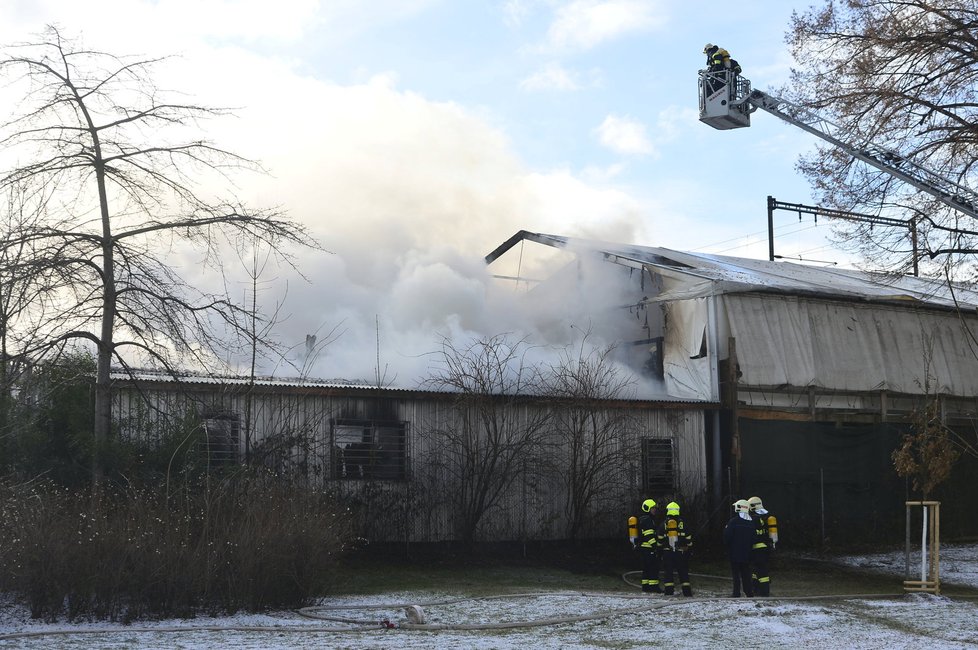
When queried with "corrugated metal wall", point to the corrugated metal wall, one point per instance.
{"points": [[291, 429], [802, 341]]}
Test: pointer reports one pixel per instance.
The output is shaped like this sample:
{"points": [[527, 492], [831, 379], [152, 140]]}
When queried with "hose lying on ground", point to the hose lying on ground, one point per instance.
{"points": [[319, 612]]}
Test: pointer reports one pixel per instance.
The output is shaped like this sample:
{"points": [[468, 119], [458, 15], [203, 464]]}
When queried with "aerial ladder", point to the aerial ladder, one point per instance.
{"points": [[727, 101]]}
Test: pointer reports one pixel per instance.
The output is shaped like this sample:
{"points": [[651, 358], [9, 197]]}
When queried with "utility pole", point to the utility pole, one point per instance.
{"points": [[773, 204]]}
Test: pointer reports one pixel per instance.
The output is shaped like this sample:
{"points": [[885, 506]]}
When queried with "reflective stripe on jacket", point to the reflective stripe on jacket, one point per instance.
{"points": [[647, 532]]}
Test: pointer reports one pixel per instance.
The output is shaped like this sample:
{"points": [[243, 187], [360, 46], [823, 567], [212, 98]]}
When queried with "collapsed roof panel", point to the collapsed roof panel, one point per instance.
{"points": [[724, 274]]}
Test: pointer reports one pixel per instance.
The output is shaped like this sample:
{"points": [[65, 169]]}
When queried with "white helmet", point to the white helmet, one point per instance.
{"points": [[741, 505], [708, 47], [755, 503]]}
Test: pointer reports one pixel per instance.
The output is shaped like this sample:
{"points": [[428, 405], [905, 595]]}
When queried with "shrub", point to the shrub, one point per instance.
{"points": [[249, 541]]}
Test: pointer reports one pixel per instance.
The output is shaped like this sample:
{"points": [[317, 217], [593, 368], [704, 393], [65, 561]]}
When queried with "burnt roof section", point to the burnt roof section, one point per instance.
{"points": [[740, 275]]}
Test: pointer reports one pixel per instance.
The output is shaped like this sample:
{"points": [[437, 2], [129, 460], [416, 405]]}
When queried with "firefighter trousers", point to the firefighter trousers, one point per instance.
{"points": [[741, 577], [675, 562], [650, 570], [760, 571]]}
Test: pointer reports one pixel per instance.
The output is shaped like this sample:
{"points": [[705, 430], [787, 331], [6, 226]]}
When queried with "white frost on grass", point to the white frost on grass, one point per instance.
{"points": [[958, 563], [707, 621], [903, 622]]}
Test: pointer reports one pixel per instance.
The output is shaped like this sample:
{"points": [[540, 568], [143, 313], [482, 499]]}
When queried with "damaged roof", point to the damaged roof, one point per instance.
{"points": [[725, 274]]}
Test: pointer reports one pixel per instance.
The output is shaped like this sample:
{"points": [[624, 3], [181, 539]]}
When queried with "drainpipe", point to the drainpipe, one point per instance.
{"points": [[714, 349]]}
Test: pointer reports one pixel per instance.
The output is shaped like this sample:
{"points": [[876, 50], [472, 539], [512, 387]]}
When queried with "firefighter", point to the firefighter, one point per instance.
{"points": [[765, 539], [717, 62], [648, 547], [676, 545], [717, 58], [738, 536]]}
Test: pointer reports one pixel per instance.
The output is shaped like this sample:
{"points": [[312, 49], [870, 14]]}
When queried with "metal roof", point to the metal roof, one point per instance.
{"points": [[727, 274], [196, 378], [187, 378]]}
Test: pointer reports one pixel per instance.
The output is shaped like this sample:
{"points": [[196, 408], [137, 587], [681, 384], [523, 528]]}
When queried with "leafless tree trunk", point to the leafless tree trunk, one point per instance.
{"points": [[491, 429], [591, 432], [116, 194]]}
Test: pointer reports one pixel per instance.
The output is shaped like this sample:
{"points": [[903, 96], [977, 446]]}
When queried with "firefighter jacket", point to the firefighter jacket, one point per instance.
{"points": [[674, 528], [764, 525], [738, 536], [717, 58], [647, 533]]}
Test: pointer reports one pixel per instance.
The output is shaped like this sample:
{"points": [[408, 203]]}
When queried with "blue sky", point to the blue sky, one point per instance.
{"points": [[414, 136], [605, 91]]}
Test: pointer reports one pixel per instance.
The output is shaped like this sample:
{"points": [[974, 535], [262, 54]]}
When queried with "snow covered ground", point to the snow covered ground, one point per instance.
{"points": [[958, 564], [564, 620]]}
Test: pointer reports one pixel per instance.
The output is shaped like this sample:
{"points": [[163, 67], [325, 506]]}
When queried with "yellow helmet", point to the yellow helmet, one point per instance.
{"points": [[672, 508], [755, 503], [741, 505], [647, 505]]}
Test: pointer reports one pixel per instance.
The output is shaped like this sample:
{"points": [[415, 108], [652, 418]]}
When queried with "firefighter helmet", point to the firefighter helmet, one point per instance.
{"points": [[672, 508], [647, 505], [755, 503], [708, 47], [741, 505]]}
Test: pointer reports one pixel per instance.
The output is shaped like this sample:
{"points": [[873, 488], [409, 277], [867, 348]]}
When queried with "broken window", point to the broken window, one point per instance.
{"points": [[654, 354], [369, 449]]}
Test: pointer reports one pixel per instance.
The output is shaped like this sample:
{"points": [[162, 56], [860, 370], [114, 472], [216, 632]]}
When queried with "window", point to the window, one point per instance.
{"points": [[658, 466], [222, 434], [369, 449], [652, 359]]}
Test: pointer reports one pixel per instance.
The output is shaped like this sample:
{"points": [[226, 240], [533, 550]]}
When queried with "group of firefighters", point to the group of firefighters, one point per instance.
{"points": [[665, 542], [667, 545]]}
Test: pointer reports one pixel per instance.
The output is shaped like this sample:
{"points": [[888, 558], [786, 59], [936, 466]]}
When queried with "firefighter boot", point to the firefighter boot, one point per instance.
{"points": [[687, 590], [670, 589]]}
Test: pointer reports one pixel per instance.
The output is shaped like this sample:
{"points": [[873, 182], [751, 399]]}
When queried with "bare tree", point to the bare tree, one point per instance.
{"points": [[91, 138], [903, 73], [492, 431], [17, 298], [591, 430]]}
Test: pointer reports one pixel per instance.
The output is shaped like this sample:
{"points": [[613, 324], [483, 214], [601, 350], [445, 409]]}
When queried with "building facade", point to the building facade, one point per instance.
{"points": [[400, 458]]}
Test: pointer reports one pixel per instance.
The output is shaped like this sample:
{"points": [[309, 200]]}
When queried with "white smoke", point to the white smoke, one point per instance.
{"points": [[408, 194]]}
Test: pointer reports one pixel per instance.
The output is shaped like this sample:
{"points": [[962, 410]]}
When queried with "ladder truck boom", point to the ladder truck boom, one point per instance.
{"points": [[727, 101]]}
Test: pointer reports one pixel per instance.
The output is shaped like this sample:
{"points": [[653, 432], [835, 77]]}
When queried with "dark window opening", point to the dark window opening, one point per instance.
{"points": [[652, 361], [222, 435], [369, 449], [658, 466], [703, 349]]}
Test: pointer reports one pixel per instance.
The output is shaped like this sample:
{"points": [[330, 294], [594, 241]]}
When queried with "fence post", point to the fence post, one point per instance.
{"points": [[821, 497]]}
